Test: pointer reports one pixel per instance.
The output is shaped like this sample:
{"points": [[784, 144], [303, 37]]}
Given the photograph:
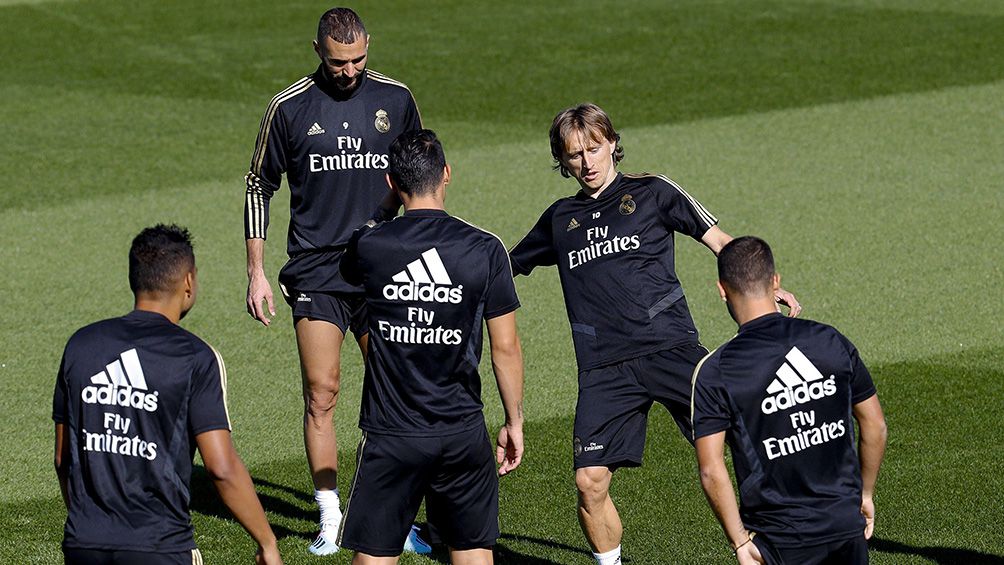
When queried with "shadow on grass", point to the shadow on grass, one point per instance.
{"points": [[941, 555]]}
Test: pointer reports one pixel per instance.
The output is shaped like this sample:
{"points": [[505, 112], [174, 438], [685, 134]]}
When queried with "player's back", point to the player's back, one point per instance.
{"points": [[430, 281], [125, 393], [792, 383]]}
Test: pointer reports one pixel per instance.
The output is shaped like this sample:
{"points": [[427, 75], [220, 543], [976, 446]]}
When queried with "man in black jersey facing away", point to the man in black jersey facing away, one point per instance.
{"points": [[431, 282], [635, 341], [328, 133], [134, 397], [782, 393]]}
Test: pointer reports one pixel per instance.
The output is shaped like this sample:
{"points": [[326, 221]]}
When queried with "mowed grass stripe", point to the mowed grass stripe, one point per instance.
{"points": [[210, 72]]}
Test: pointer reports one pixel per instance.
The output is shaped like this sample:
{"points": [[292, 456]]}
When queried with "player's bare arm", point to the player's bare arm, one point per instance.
{"points": [[507, 363], [61, 459], [258, 288], [871, 450], [234, 484], [718, 489], [716, 238]]}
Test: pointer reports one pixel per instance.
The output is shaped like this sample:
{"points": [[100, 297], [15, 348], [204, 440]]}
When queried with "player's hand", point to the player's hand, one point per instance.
{"points": [[258, 291], [782, 296], [749, 554], [509, 450], [868, 511], [269, 556]]}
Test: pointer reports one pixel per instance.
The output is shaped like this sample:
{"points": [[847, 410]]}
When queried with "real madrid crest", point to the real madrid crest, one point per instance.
{"points": [[627, 205], [382, 122], [577, 447]]}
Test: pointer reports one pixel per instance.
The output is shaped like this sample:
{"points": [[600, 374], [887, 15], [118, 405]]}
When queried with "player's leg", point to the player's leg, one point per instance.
{"points": [[611, 417], [364, 559], [319, 343], [598, 516], [482, 556]]}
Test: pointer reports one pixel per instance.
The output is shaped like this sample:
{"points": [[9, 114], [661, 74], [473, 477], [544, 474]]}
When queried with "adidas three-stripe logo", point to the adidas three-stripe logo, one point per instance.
{"points": [[421, 273], [122, 383], [798, 382], [425, 279], [315, 129]]}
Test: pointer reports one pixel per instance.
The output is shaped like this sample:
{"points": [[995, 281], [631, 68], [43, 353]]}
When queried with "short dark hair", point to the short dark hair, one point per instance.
{"points": [[416, 162], [341, 24], [746, 265], [158, 257], [591, 121]]}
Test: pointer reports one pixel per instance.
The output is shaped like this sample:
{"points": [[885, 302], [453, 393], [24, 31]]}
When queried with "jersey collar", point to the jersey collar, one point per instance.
{"points": [[608, 192], [425, 213], [761, 321], [325, 85]]}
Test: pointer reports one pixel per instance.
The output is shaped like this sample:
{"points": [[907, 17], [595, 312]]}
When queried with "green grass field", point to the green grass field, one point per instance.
{"points": [[862, 138]]}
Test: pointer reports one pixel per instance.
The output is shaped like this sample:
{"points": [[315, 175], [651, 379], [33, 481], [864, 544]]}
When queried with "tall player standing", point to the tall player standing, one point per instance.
{"points": [[635, 341], [329, 133]]}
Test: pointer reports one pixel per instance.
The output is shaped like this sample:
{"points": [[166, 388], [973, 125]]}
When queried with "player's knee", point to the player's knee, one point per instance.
{"points": [[593, 484], [320, 398]]}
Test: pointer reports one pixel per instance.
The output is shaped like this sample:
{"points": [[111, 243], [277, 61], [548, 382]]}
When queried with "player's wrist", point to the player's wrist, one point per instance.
{"points": [[745, 538]]}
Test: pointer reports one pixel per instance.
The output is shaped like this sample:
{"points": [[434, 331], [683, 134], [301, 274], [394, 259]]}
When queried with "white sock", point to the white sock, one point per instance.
{"points": [[612, 557], [328, 502]]}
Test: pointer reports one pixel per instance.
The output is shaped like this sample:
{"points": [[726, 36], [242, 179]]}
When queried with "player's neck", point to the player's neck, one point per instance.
{"points": [[170, 309], [744, 311], [596, 193], [424, 203]]}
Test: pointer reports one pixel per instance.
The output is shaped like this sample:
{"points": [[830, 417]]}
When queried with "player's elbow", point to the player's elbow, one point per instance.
{"points": [[223, 469]]}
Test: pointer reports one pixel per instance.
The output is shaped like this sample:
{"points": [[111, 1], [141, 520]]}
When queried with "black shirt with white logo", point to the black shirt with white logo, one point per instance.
{"points": [[783, 390], [431, 280], [333, 151], [133, 392], [615, 258]]}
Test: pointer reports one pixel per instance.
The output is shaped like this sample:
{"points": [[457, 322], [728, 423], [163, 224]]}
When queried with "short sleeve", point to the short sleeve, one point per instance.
{"points": [[536, 249], [862, 386], [207, 404], [681, 212], [60, 395], [412, 116], [500, 296], [709, 404]]}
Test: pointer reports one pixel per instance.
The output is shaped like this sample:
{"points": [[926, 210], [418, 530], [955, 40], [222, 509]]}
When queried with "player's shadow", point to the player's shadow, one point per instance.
{"points": [[205, 500], [940, 555]]}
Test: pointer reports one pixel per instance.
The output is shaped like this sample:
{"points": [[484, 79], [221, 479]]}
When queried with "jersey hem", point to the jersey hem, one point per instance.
{"points": [[640, 353], [478, 422]]}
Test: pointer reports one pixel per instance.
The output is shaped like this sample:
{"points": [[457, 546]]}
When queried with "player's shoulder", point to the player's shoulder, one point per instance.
{"points": [[652, 181], [476, 232], [291, 92], [387, 84], [92, 332]]}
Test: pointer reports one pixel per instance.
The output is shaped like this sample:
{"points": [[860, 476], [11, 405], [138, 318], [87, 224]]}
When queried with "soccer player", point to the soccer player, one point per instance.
{"points": [[782, 393], [431, 281], [329, 133], [635, 341], [134, 397]]}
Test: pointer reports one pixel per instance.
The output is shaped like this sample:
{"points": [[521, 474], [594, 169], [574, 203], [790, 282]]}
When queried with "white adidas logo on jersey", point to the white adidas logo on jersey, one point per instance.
{"points": [[122, 383], [798, 381], [315, 129], [425, 280]]}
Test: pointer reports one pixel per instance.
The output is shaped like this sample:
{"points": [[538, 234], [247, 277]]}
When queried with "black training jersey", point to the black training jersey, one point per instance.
{"points": [[615, 258], [333, 150], [783, 390], [133, 392], [430, 281]]}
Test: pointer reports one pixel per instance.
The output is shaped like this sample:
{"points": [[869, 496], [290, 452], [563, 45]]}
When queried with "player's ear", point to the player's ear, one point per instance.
{"points": [[447, 173], [775, 282], [317, 48], [721, 290]]}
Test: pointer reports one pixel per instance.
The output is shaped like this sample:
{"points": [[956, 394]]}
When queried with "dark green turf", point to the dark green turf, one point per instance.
{"points": [[91, 87]]}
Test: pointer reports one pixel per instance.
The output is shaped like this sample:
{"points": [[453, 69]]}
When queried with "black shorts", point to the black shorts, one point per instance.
{"points": [[347, 311], [74, 556], [611, 415], [853, 551], [455, 474]]}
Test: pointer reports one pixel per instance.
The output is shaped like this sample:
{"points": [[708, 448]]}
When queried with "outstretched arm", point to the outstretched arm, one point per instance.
{"points": [[718, 489], [871, 450], [507, 363], [61, 459], [237, 491], [715, 239]]}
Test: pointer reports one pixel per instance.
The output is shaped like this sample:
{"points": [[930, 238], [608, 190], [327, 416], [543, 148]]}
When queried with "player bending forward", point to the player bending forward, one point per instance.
{"points": [[134, 397], [431, 281], [635, 341], [782, 393]]}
